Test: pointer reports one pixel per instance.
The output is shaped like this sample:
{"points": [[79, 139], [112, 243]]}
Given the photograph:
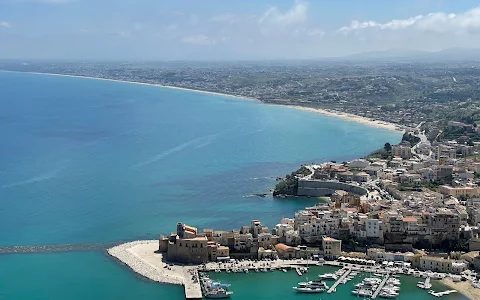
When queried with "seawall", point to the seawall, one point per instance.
{"points": [[320, 188]]}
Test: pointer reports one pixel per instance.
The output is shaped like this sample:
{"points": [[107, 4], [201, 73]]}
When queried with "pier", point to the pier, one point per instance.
{"points": [[380, 286], [440, 294], [191, 283], [334, 286]]}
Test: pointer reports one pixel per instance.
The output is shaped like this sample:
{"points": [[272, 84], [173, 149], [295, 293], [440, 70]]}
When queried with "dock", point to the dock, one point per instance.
{"points": [[334, 286], [440, 294], [191, 283], [380, 286]]}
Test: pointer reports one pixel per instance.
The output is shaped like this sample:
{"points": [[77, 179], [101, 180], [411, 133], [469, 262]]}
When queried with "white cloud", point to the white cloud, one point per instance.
{"points": [[5, 24], [439, 22], [297, 14], [199, 40]]}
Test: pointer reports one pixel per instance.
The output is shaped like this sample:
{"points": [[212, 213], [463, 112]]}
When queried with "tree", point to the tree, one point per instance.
{"points": [[387, 147]]}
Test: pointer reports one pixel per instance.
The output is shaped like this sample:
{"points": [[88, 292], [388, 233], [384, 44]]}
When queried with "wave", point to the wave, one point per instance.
{"points": [[252, 132], [195, 143], [45, 176]]}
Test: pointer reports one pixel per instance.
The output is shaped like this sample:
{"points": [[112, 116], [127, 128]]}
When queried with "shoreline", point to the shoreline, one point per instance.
{"points": [[334, 114], [129, 254], [463, 287], [142, 258]]}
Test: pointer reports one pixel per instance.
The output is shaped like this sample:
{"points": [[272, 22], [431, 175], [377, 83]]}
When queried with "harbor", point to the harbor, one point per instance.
{"points": [[141, 257]]}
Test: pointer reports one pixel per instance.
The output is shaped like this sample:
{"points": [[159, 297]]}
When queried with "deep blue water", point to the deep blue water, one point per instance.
{"points": [[85, 160]]}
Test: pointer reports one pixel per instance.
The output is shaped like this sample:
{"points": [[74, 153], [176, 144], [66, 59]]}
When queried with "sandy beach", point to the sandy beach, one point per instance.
{"points": [[350, 117], [464, 287], [345, 116]]}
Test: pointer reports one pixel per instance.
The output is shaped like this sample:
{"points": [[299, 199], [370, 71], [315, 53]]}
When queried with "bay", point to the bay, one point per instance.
{"points": [[88, 161]]}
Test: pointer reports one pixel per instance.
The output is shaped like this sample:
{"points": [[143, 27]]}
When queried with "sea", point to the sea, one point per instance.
{"points": [[86, 161]]}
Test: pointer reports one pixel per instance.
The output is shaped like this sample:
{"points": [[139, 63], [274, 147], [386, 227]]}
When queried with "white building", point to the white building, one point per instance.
{"points": [[372, 227], [292, 238], [359, 164]]}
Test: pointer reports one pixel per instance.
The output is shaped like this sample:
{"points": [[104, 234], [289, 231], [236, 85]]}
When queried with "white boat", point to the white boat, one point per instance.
{"points": [[228, 270], [309, 289], [284, 270], [263, 270], [389, 295], [218, 294], [330, 276], [391, 287], [425, 284], [314, 283], [363, 293], [394, 281], [256, 270], [372, 280]]}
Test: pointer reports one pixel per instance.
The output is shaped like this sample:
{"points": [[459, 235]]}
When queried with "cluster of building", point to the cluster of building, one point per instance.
{"points": [[425, 197], [189, 246]]}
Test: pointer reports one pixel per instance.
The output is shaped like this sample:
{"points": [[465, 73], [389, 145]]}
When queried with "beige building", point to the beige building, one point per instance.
{"points": [[332, 248], [457, 191], [444, 265], [185, 246], [402, 151], [285, 252]]}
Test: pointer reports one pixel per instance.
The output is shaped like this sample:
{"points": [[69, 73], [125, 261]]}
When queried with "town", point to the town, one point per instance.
{"points": [[416, 209]]}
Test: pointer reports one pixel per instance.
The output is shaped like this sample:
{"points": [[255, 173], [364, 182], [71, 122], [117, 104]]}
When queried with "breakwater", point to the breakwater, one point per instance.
{"points": [[54, 248]]}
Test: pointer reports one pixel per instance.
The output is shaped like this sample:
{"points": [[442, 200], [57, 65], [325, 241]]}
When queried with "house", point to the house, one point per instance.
{"points": [[285, 252], [332, 248]]}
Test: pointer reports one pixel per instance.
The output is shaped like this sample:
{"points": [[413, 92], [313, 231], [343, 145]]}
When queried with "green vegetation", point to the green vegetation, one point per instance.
{"points": [[303, 171], [408, 137], [464, 133], [387, 147], [380, 153], [289, 185]]}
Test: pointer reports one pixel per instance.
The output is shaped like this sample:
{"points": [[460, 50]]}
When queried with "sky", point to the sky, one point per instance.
{"points": [[231, 30]]}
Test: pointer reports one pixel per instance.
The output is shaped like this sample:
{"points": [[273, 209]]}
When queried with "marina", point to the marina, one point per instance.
{"points": [[379, 289], [340, 280], [140, 256]]}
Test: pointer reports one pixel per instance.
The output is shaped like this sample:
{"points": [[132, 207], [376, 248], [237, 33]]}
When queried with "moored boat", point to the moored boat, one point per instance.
{"points": [[329, 276], [218, 294], [309, 289]]}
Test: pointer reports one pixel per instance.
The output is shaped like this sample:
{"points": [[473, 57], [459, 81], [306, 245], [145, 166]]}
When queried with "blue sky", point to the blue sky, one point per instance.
{"points": [[230, 30]]}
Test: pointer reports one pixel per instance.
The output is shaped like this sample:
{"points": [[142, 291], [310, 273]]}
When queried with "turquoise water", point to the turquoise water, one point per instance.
{"points": [[278, 285], [94, 161]]}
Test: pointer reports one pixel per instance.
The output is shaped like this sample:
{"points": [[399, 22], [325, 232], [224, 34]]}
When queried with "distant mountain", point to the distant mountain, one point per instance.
{"points": [[389, 53], [450, 54]]}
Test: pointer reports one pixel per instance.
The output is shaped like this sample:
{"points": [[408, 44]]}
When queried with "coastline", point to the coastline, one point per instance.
{"points": [[463, 287], [334, 114], [350, 117], [141, 258]]}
